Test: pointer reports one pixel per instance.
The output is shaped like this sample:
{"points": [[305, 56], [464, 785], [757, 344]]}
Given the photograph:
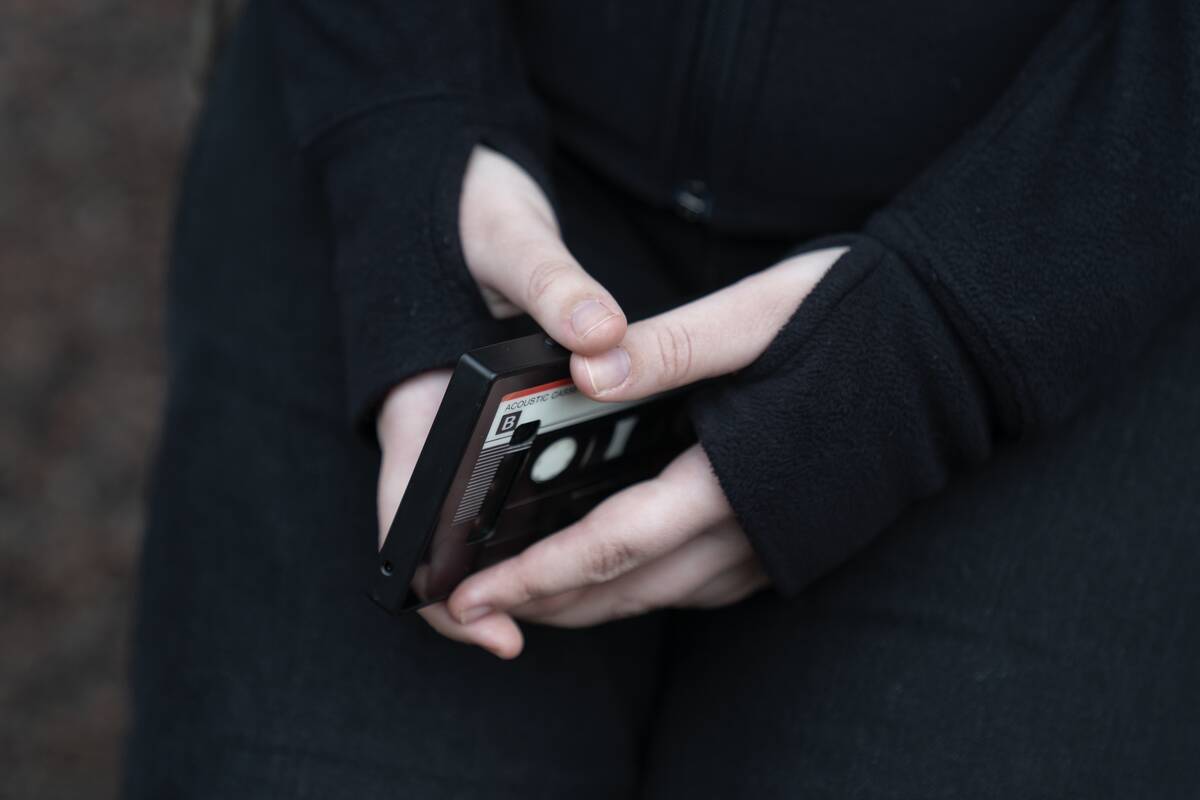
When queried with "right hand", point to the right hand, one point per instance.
{"points": [[513, 249]]}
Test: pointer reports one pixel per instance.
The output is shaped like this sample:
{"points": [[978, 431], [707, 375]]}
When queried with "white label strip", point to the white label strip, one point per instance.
{"points": [[553, 405]]}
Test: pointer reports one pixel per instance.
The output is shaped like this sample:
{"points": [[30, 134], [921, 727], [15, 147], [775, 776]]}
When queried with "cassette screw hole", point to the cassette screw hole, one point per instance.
{"points": [[386, 569]]}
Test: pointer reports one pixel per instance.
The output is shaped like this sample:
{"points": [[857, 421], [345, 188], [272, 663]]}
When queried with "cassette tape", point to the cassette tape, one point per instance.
{"points": [[516, 452]]}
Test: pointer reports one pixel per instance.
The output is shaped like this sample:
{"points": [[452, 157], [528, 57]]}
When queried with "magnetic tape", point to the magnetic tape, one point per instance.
{"points": [[516, 452]]}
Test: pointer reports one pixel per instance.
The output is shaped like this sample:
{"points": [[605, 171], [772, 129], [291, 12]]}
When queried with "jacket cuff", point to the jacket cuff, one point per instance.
{"points": [[407, 300], [863, 403]]}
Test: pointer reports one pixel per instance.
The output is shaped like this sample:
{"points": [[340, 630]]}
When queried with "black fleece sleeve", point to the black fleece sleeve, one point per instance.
{"points": [[386, 101], [988, 301]]}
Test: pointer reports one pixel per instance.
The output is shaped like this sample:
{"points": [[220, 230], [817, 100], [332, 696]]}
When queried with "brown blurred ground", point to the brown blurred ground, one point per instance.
{"points": [[95, 100]]}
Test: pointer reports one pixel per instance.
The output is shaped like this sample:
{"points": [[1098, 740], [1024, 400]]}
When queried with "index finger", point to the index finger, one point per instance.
{"points": [[715, 335]]}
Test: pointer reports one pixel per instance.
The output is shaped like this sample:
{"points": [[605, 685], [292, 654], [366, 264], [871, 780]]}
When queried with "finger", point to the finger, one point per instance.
{"points": [[537, 273], [514, 249], [729, 587], [628, 529], [670, 577], [402, 426], [670, 580], [717, 334], [496, 633], [420, 581]]}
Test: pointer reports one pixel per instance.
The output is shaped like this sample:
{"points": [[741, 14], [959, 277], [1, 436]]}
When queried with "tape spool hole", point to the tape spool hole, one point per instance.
{"points": [[554, 460]]}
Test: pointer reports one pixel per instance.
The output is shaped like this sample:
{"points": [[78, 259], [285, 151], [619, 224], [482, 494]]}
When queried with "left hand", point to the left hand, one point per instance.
{"points": [[671, 541]]}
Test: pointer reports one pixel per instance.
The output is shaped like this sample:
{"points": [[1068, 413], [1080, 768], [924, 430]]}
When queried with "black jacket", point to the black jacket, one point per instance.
{"points": [[1020, 182]]}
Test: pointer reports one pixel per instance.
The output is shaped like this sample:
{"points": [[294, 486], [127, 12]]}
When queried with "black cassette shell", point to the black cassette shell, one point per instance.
{"points": [[476, 495]]}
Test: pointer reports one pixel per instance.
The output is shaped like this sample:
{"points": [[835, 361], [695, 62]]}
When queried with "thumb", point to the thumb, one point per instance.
{"points": [[513, 249]]}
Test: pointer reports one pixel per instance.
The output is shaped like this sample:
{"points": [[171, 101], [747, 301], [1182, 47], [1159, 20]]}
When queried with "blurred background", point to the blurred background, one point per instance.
{"points": [[96, 97]]}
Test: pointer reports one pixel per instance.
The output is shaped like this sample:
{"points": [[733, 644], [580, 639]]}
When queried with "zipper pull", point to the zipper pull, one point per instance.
{"points": [[693, 201]]}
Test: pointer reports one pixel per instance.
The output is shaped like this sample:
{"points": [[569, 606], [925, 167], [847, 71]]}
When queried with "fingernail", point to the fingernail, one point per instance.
{"points": [[473, 614], [589, 315], [607, 370]]}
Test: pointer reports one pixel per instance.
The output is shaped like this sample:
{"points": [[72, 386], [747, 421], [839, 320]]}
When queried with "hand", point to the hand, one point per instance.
{"points": [[513, 250], [669, 541], [402, 425]]}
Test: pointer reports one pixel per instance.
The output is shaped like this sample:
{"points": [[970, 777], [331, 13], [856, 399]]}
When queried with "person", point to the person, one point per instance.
{"points": [[932, 270]]}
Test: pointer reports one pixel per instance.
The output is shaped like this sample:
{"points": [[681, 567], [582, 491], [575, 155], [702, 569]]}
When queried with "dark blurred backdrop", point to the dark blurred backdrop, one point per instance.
{"points": [[95, 101]]}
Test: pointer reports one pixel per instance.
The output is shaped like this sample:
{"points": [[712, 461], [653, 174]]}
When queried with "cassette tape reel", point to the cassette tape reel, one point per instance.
{"points": [[516, 452]]}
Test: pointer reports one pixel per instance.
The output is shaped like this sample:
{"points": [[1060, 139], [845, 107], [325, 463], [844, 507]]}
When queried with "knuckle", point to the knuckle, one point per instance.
{"points": [[548, 606], [676, 349], [525, 585], [627, 605], [609, 558], [543, 277]]}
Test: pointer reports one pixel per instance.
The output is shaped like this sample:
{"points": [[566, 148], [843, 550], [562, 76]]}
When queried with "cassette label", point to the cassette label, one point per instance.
{"points": [[554, 405]]}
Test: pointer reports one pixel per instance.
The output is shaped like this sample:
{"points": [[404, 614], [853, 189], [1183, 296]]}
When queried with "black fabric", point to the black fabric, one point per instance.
{"points": [[1014, 333], [859, 406], [1026, 268], [262, 668], [386, 100], [1015, 273], [1032, 633]]}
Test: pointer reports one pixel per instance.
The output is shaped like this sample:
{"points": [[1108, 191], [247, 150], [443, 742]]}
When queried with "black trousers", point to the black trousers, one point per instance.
{"points": [[1033, 632]]}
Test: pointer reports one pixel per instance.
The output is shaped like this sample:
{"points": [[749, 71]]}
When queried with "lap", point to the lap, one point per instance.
{"points": [[263, 669]]}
